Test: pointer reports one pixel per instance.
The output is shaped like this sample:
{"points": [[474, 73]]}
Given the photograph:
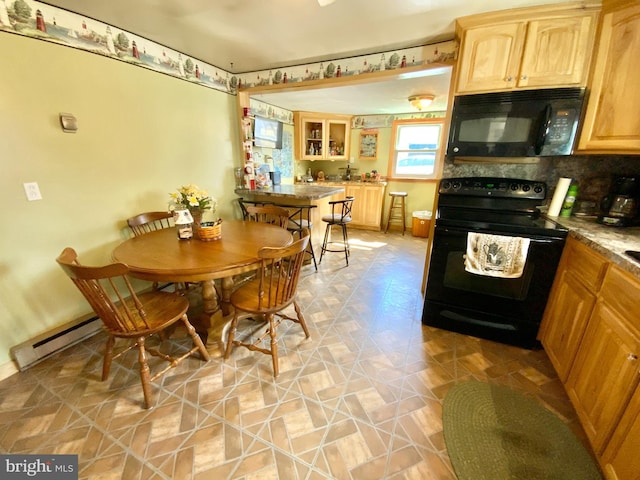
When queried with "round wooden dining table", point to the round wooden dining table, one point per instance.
{"points": [[160, 256]]}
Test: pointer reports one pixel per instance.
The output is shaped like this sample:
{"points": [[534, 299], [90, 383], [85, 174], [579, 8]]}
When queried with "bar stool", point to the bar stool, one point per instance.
{"points": [[244, 203], [340, 216], [299, 220], [393, 206]]}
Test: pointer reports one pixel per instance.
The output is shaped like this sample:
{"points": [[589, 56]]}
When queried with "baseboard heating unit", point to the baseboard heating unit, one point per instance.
{"points": [[33, 351]]}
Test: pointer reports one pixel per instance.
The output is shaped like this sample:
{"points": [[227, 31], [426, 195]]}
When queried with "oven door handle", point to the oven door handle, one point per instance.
{"points": [[439, 229], [541, 137]]}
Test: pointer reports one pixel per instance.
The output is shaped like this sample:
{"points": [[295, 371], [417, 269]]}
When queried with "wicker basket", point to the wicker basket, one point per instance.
{"points": [[206, 233]]}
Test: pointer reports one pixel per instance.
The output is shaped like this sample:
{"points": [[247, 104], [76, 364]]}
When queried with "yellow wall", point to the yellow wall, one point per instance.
{"points": [[420, 194], [141, 135]]}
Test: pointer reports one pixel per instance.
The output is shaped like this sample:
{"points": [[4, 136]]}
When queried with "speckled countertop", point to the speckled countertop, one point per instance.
{"points": [[327, 183], [303, 191], [611, 242]]}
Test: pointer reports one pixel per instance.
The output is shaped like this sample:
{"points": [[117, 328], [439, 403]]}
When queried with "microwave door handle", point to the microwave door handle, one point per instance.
{"points": [[544, 129]]}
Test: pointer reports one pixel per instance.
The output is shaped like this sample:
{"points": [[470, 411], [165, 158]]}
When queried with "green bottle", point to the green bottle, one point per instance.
{"points": [[569, 200]]}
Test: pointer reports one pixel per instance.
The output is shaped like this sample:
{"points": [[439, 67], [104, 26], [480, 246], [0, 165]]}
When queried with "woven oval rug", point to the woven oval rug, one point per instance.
{"points": [[494, 433]]}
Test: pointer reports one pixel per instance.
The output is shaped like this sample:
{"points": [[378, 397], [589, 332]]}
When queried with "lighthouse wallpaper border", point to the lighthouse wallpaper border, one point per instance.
{"points": [[52, 24], [41, 21]]}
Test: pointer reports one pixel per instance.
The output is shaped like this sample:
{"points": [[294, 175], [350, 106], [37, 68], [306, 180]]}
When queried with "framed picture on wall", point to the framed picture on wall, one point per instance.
{"points": [[368, 145]]}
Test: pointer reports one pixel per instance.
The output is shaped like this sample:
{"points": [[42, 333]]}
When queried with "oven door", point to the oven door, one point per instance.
{"points": [[508, 310]]}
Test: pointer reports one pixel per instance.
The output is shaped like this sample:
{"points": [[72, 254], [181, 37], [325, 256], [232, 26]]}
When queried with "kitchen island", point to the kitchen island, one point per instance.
{"points": [[293, 195]]}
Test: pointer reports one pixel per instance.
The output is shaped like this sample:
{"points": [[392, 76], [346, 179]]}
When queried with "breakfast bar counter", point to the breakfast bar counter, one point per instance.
{"points": [[296, 195], [280, 193]]}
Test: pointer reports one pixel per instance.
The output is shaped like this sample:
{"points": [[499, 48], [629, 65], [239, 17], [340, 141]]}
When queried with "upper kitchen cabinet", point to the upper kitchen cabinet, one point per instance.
{"points": [[612, 123], [319, 136], [538, 47]]}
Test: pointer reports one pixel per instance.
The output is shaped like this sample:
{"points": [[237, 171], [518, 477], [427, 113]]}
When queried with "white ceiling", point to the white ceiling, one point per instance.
{"points": [[250, 35]]}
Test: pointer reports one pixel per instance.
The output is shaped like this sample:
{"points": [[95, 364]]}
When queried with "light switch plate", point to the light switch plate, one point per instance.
{"points": [[33, 191]]}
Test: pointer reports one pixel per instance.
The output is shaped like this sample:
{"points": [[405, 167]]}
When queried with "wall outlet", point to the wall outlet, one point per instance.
{"points": [[33, 191]]}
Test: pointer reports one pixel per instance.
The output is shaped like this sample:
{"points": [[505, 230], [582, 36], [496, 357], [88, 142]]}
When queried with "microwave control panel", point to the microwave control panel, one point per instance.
{"points": [[561, 126]]}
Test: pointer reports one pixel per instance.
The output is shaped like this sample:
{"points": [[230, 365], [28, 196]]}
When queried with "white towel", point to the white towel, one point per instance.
{"points": [[496, 255]]}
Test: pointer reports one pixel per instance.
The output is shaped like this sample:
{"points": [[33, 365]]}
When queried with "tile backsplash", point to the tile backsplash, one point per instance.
{"points": [[592, 173]]}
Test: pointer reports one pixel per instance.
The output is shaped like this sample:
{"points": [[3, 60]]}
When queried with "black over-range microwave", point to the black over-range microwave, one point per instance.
{"points": [[525, 123]]}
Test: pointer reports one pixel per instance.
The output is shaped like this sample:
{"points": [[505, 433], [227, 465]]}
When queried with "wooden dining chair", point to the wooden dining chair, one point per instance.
{"points": [[272, 291], [149, 222], [127, 315], [268, 214]]}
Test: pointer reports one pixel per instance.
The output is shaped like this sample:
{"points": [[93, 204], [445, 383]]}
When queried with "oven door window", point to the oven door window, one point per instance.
{"points": [[456, 277]]}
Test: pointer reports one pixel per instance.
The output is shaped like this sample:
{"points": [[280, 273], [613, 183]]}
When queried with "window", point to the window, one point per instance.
{"points": [[415, 148]]}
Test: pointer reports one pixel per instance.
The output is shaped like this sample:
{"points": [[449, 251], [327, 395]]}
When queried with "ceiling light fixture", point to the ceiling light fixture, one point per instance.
{"points": [[324, 3], [421, 101]]}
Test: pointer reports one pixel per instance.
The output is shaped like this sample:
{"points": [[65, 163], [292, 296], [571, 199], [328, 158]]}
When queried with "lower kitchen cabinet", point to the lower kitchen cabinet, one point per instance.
{"points": [[570, 304], [367, 206], [621, 460], [591, 332], [605, 373]]}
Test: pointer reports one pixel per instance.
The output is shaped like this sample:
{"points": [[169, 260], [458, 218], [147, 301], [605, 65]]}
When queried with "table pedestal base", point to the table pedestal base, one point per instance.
{"points": [[217, 334]]}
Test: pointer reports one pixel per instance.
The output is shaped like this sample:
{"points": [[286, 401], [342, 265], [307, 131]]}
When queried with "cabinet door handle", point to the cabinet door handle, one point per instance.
{"points": [[509, 79], [524, 77], [632, 356]]}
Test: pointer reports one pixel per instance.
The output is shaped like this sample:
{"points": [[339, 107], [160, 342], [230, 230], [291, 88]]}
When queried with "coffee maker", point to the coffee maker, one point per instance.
{"points": [[621, 206]]}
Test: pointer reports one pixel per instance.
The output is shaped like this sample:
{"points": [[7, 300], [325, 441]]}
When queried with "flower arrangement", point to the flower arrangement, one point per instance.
{"points": [[198, 202], [192, 198]]}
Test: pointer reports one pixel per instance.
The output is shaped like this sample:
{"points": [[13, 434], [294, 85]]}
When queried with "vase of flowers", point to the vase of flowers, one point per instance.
{"points": [[200, 204]]}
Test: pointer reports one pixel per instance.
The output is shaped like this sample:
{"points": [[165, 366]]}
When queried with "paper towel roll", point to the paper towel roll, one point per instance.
{"points": [[558, 197]]}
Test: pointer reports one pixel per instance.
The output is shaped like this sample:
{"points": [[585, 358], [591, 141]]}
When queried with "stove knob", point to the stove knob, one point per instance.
{"points": [[446, 186], [526, 188], [514, 186], [537, 188], [456, 185]]}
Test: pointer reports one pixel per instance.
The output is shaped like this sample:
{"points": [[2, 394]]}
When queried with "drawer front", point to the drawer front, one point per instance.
{"points": [[621, 291], [586, 264]]}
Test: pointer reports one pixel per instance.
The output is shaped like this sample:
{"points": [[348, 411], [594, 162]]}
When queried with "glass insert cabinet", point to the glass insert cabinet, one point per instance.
{"points": [[320, 136]]}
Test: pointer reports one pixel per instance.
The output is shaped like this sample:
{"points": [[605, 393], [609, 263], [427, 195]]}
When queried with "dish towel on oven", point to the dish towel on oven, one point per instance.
{"points": [[496, 255]]}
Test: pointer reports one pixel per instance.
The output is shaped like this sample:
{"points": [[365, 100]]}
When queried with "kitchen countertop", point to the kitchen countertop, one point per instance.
{"points": [[610, 242], [302, 191], [341, 182]]}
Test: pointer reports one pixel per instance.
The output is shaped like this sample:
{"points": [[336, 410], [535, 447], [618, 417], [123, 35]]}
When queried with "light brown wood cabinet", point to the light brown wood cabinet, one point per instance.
{"points": [[573, 296], [367, 206], [612, 120], [366, 212], [537, 47], [591, 332], [605, 372], [319, 136], [621, 459]]}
